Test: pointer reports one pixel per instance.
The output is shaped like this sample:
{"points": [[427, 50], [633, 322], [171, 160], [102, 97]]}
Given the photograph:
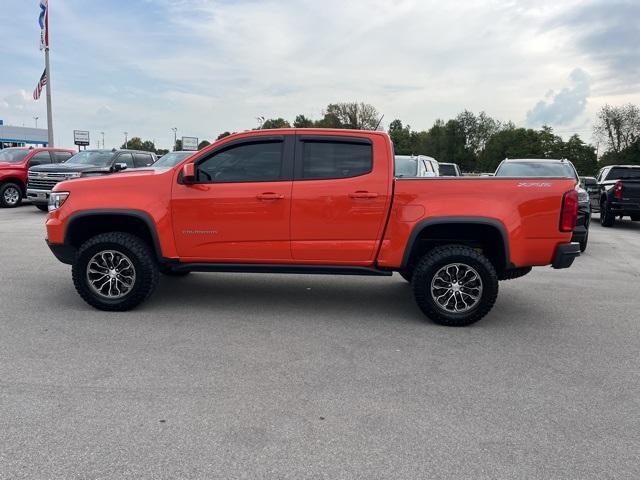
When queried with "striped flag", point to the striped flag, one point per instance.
{"points": [[43, 20], [40, 86]]}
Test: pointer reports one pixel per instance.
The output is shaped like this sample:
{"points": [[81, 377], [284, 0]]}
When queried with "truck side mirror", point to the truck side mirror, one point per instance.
{"points": [[188, 173], [118, 167]]}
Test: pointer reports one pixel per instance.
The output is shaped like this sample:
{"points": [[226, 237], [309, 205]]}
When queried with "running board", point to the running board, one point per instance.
{"points": [[279, 268]]}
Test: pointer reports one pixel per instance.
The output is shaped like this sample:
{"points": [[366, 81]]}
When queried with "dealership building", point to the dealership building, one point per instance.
{"points": [[11, 136]]}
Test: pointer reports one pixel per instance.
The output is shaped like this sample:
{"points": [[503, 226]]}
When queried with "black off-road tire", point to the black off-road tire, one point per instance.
{"points": [[144, 262], [439, 257], [44, 208], [512, 273], [607, 218], [6, 190]]}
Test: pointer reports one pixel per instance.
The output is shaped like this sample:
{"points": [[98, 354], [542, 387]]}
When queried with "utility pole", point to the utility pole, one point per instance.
{"points": [[126, 142], [36, 119], [49, 114], [102, 133], [175, 138]]}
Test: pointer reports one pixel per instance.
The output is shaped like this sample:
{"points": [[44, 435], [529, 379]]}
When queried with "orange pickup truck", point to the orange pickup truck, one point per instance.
{"points": [[310, 201]]}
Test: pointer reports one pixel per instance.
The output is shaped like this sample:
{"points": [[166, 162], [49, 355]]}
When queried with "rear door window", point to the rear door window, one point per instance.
{"points": [[335, 159]]}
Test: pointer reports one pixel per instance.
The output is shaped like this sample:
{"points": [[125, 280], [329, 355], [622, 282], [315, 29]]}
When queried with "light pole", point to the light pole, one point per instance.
{"points": [[175, 138], [126, 142], [102, 133], [36, 119]]}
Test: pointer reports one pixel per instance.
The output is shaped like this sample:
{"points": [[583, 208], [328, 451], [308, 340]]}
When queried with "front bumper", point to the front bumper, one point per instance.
{"points": [[64, 253], [38, 197], [566, 253]]}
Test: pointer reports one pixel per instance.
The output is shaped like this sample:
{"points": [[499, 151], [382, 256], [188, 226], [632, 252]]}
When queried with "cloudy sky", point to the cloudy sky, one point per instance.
{"points": [[206, 66]]}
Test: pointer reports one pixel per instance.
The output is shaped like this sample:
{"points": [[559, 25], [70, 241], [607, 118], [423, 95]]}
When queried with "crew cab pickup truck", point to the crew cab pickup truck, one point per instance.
{"points": [[619, 193], [309, 201], [89, 163], [14, 164]]}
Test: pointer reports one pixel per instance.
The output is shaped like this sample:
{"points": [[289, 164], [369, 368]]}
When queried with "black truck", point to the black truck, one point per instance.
{"points": [[42, 178], [619, 194]]}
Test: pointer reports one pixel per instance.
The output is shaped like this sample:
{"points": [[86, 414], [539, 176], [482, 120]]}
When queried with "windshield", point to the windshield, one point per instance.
{"points": [[89, 157], [448, 170], [13, 155], [171, 159], [535, 169], [406, 167], [617, 173]]}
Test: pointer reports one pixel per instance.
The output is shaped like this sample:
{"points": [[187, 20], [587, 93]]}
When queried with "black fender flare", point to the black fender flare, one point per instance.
{"points": [[423, 224], [120, 212]]}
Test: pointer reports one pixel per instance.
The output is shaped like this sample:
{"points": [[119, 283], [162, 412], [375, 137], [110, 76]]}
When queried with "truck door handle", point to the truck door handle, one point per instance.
{"points": [[269, 196], [363, 194]]}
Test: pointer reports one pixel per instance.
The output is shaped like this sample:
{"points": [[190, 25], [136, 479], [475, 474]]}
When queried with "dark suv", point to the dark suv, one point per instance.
{"points": [[43, 178]]}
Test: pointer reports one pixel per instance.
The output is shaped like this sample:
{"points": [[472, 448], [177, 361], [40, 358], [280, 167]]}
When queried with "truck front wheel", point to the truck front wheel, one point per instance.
{"points": [[454, 285], [10, 195], [115, 271]]}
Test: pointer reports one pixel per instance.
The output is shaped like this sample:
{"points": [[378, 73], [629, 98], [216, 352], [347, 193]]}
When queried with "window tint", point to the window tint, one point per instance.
{"points": [[335, 160], [125, 158], [448, 170], [40, 158], [617, 173], [142, 159], [536, 169], [253, 162], [61, 156]]}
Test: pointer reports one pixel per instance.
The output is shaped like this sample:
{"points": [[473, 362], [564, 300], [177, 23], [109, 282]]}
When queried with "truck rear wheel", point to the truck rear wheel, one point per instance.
{"points": [[455, 285], [10, 195], [607, 218], [115, 271]]}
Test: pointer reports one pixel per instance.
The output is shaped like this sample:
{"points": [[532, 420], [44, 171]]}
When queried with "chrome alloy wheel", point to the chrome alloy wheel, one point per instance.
{"points": [[111, 274], [456, 288], [11, 195]]}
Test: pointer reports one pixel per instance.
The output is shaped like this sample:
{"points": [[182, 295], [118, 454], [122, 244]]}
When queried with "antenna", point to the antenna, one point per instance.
{"points": [[379, 121]]}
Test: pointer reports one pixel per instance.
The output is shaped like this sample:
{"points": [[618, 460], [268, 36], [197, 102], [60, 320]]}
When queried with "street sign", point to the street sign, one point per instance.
{"points": [[81, 137], [189, 143]]}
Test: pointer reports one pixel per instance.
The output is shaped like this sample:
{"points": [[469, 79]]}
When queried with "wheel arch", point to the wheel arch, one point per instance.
{"points": [[488, 233], [85, 224], [17, 180]]}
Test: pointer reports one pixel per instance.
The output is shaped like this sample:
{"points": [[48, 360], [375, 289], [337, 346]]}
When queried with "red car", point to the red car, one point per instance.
{"points": [[14, 165], [310, 201]]}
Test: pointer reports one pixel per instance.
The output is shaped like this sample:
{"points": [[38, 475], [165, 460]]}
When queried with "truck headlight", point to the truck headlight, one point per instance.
{"points": [[56, 199]]}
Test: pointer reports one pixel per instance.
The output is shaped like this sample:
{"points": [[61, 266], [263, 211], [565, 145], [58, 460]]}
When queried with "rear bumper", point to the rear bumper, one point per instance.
{"points": [[565, 255], [64, 253], [626, 207]]}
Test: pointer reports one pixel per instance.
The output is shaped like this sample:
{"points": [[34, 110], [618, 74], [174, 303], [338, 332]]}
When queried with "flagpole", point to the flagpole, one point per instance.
{"points": [[49, 116]]}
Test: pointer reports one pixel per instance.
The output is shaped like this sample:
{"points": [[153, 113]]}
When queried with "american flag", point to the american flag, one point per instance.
{"points": [[40, 86]]}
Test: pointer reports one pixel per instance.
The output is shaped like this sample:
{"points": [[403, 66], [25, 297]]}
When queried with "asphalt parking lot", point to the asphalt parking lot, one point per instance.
{"points": [[264, 376]]}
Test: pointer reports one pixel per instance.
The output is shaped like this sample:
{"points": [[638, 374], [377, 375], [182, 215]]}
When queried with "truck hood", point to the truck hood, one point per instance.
{"points": [[70, 168]]}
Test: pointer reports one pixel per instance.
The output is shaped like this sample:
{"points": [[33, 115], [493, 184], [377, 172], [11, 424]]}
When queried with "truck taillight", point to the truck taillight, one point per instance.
{"points": [[617, 190], [569, 213]]}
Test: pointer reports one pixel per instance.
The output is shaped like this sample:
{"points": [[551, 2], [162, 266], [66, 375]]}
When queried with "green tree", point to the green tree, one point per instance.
{"points": [[203, 144], [136, 143], [360, 116], [628, 156], [178, 145], [618, 127], [302, 122], [275, 123], [401, 138], [222, 135], [582, 156]]}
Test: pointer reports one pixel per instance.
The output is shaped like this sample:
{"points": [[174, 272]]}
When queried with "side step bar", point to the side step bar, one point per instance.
{"points": [[278, 268]]}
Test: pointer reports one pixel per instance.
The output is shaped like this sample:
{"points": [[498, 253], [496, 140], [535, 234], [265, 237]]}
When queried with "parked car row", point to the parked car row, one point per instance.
{"points": [[32, 172]]}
